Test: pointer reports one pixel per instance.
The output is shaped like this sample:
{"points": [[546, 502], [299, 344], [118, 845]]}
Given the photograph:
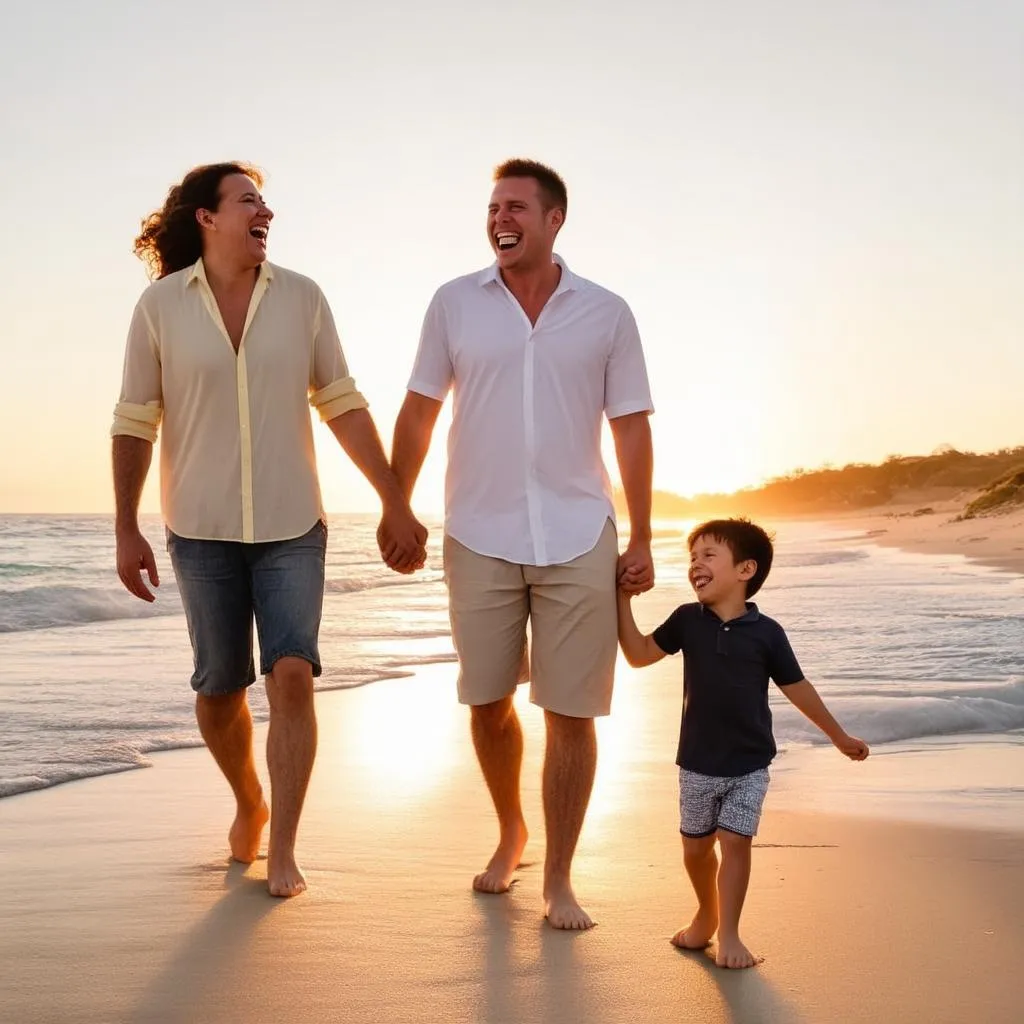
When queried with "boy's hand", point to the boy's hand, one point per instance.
{"points": [[855, 749], [635, 571]]}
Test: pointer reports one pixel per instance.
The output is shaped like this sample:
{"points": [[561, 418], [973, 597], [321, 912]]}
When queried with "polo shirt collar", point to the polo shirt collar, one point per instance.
{"points": [[198, 272], [750, 615], [569, 281]]}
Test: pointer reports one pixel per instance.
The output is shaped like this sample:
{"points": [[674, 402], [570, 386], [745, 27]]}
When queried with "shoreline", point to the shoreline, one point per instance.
{"points": [[996, 542], [931, 528]]}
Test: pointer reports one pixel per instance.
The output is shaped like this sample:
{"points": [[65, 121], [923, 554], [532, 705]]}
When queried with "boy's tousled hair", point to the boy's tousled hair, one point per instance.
{"points": [[746, 541], [553, 192]]}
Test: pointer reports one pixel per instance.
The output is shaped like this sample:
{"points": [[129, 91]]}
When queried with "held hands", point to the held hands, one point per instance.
{"points": [[133, 555], [635, 572], [402, 539], [855, 749]]}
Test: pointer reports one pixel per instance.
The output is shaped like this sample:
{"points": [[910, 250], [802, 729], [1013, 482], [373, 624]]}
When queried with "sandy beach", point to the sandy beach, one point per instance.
{"points": [[120, 904], [928, 524]]}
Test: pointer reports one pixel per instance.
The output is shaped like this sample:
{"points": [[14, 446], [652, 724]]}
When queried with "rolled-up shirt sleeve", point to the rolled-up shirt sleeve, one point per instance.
{"points": [[626, 387], [140, 407], [332, 388], [432, 371]]}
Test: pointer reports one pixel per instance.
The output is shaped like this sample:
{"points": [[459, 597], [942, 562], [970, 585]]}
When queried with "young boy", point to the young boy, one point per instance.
{"points": [[730, 651]]}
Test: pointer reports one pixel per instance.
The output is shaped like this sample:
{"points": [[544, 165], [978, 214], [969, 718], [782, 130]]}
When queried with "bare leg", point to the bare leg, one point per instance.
{"points": [[291, 748], [498, 739], [733, 878], [702, 867], [226, 726], [570, 762]]}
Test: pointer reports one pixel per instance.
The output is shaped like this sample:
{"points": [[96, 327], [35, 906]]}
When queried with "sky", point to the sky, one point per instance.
{"points": [[815, 210]]}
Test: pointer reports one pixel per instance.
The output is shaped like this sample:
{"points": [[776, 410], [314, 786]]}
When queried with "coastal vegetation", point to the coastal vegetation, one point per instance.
{"points": [[946, 474]]}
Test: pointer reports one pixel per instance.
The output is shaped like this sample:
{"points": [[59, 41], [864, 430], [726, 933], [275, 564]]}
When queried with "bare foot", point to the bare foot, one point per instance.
{"points": [[732, 953], [245, 832], [502, 866], [563, 911], [697, 934], [283, 875]]}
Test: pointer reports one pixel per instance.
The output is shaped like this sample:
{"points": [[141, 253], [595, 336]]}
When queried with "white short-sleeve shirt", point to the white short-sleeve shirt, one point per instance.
{"points": [[525, 480]]}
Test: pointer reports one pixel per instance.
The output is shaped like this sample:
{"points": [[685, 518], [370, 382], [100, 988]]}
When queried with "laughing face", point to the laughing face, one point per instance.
{"points": [[714, 574], [521, 232], [241, 221]]}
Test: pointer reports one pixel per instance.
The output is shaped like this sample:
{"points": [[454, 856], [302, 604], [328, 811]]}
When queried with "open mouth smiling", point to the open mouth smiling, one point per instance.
{"points": [[506, 240], [699, 580], [259, 232]]}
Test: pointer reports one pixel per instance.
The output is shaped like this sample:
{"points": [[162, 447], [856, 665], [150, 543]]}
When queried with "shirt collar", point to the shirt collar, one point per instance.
{"points": [[750, 615], [569, 281], [198, 272]]}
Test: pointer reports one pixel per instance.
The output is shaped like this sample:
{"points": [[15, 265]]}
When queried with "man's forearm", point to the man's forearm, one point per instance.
{"points": [[634, 451], [413, 430], [131, 460], [357, 434], [805, 698]]}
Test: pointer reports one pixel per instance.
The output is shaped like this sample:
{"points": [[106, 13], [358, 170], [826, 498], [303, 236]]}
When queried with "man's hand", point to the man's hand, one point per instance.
{"points": [[635, 571], [133, 555], [855, 749], [402, 539]]}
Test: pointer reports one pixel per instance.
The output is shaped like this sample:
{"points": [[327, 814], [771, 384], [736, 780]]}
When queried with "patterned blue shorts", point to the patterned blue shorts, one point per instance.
{"points": [[710, 802]]}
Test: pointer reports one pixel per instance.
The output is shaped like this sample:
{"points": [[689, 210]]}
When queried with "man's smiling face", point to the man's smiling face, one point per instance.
{"points": [[520, 230]]}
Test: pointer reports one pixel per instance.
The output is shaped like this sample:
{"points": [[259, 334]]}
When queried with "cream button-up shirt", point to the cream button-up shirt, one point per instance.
{"points": [[525, 480], [236, 455]]}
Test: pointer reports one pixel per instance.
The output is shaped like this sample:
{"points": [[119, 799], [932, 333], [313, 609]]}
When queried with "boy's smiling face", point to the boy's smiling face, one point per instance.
{"points": [[714, 573]]}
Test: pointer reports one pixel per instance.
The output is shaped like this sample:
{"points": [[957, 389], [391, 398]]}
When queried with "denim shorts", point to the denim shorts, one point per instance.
{"points": [[225, 585]]}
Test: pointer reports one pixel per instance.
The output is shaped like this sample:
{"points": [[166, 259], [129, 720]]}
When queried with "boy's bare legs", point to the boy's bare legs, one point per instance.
{"points": [[570, 762], [733, 878], [226, 726], [498, 739], [702, 867], [291, 749]]}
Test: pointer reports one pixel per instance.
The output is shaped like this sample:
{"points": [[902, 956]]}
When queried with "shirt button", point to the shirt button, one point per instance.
{"points": [[726, 628]]}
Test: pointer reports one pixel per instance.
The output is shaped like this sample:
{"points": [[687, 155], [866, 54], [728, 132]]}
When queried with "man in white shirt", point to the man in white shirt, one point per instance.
{"points": [[227, 352], [535, 356]]}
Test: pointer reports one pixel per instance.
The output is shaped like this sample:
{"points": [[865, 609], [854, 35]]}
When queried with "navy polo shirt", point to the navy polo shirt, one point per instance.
{"points": [[727, 725]]}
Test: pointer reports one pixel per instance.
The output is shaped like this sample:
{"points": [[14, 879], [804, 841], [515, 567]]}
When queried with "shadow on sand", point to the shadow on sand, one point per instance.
{"points": [[748, 997], [529, 970], [212, 950]]}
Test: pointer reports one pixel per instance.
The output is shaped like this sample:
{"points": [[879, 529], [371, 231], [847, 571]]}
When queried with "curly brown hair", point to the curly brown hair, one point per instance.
{"points": [[170, 239]]}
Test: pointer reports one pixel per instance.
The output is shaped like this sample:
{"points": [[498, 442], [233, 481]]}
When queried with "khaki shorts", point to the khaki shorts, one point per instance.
{"points": [[570, 662]]}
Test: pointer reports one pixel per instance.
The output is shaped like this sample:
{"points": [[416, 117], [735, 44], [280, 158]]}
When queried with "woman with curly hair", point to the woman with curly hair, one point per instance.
{"points": [[225, 354], [171, 238]]}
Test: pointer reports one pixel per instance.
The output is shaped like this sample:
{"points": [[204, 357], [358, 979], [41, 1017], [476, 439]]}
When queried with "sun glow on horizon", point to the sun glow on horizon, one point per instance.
{"points": [[813, 255]]}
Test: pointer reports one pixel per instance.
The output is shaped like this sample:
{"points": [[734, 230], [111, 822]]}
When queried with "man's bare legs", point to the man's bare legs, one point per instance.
{"points": [[733, 878], [702, 866], [498, 739], [291, 748], [226, 725], [570, 761]]}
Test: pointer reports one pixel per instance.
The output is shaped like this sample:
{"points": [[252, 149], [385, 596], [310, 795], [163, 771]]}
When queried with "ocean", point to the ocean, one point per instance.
{"points": [[909, 651]]}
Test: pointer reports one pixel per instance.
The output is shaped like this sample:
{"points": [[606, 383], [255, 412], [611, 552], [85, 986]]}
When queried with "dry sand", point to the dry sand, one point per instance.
{"points": [[118, 903], [931, 527]]}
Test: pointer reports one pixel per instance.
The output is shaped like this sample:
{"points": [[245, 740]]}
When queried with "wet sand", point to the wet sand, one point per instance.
{"points": [[119, 903]]}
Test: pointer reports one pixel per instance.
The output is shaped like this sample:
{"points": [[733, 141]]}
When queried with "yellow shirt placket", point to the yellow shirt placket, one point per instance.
{"points": [[242, 392]]}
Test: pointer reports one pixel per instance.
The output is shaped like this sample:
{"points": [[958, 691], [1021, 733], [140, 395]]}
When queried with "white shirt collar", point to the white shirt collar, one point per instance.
{"points": [[568, 283]]}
